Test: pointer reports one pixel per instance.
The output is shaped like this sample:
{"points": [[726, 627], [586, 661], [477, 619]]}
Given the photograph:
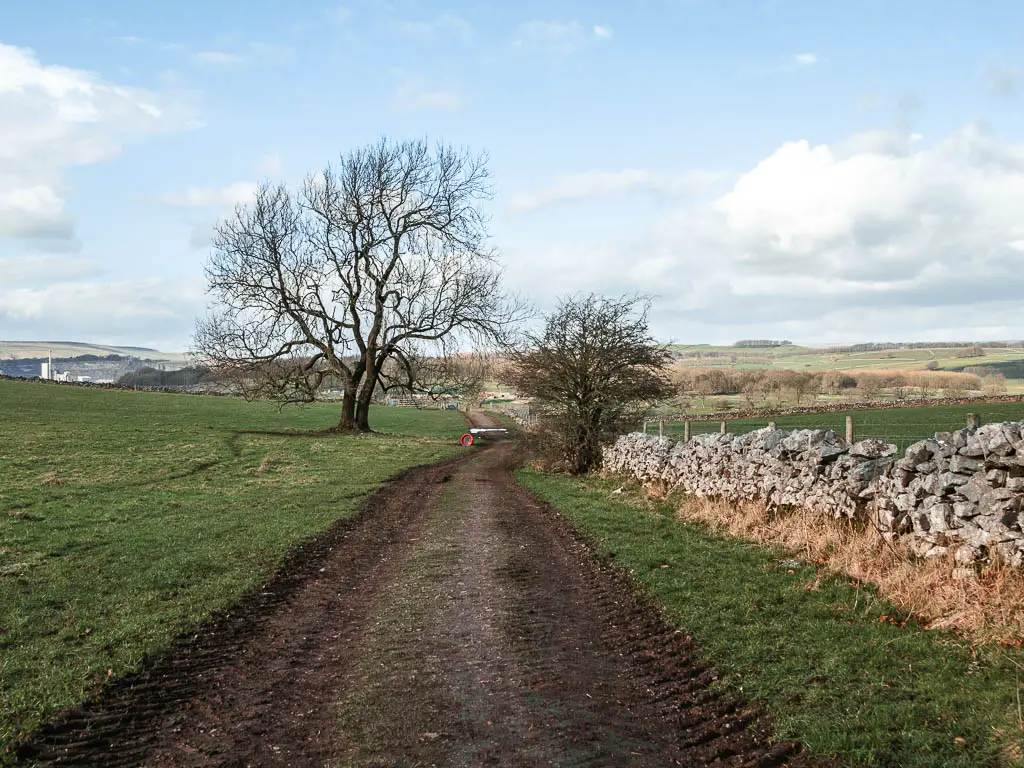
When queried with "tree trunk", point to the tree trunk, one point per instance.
{"points": [[370, 376], [348, 410], [363, 403], [363, 416]]}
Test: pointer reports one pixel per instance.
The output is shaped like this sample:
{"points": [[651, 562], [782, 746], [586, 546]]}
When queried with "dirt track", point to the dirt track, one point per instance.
{"points": [[456, 622]]}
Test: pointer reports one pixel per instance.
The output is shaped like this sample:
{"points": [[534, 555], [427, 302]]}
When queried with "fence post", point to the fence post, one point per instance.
{"points": [[645, 427], [722, 430], [661, 428], [686, 431], [973, 420], [771, 425], [849, 430]]}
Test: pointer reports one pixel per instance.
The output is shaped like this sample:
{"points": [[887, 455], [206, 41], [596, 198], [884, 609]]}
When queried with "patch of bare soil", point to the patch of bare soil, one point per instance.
{"points": [[456, 622]]}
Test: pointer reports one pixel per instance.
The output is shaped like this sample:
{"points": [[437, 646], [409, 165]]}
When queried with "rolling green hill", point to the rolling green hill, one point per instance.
{"points": [[797, 358], [13, 350]]}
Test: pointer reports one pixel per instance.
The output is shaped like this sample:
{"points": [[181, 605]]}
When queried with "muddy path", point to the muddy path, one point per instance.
{"points": [[456, 622]]}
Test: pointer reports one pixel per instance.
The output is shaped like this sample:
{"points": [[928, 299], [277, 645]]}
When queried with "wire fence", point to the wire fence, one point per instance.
{"points": [[900, 427]]}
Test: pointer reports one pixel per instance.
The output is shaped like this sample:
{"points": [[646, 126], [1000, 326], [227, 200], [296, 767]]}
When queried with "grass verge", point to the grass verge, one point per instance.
{"points": [[837, 667], [126, 518], [986, 603]]}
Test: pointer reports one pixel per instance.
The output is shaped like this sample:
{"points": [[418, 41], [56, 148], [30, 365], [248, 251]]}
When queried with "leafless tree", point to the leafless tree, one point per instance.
{"points": [[898, 382], [372, 274], [439, 376], [994, 384], [591, 370]]}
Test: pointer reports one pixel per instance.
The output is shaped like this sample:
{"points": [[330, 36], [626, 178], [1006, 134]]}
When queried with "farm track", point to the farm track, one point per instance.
{"points": [[457, 621]]}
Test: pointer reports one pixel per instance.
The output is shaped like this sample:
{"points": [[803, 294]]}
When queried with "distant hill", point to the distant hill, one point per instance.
{"points": [[911, 356], [14, 350]]}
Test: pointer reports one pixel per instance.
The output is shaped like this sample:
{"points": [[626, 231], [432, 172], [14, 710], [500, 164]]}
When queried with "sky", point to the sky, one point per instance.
{"points": [[824, 172]]}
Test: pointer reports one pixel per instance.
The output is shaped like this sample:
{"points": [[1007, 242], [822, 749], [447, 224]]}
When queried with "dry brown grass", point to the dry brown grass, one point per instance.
{"points": [[266, 464], [51, 478], [989, 606]]}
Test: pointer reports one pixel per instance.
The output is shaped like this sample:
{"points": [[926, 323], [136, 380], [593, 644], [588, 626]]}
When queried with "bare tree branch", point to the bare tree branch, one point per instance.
{"points": [[373, 267], [591, 370]]}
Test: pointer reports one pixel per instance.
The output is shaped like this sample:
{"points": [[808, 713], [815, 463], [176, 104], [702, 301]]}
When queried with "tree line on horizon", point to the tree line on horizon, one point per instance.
{"points": [[759, 386]]}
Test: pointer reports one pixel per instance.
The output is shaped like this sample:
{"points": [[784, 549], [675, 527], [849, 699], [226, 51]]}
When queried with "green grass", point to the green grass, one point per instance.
{"points": [[901, 426], [126, 518], [820, 659]]}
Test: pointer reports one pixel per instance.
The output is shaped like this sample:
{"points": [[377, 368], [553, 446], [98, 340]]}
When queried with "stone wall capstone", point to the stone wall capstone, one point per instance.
{"points": [[962, 489]]}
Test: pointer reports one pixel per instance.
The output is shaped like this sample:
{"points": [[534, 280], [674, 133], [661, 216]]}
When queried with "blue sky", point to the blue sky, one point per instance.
{"points": [[819, 171]]}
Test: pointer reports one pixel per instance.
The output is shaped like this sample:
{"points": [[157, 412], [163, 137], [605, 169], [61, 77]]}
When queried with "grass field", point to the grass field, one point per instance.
{"points": [[901, 426], [799, 358], [127, 517], [834, 665]]}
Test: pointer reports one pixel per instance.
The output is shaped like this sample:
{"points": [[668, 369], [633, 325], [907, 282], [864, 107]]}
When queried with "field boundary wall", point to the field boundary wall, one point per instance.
{"points": [[960, 491]]}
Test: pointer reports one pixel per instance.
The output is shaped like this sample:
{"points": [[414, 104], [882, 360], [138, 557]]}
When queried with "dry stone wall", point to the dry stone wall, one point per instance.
{"points": [[960, 490]]}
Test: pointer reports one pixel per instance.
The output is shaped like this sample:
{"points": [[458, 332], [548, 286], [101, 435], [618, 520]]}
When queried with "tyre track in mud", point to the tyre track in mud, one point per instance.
{"points": [[457, 621], [227, 682]]}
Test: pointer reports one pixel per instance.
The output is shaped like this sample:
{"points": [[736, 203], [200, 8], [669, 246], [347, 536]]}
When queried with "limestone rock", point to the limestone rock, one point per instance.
{"points": [[872, 449], [962, 489]]}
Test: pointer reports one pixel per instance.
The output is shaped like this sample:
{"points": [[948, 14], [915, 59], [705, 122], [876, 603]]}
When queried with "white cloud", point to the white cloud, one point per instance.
{"points": [[270, 165], [415, 93], [338, 15], [33, 211], [255, 52], [220, 58], [580, 186], [800, 61], [875, 237], [213, 202], [220, 197], [157, 312], [53, 118], [560, 38], [33, 270], [272, 52], [1003, 80], [200, 236], [446, 25]]}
